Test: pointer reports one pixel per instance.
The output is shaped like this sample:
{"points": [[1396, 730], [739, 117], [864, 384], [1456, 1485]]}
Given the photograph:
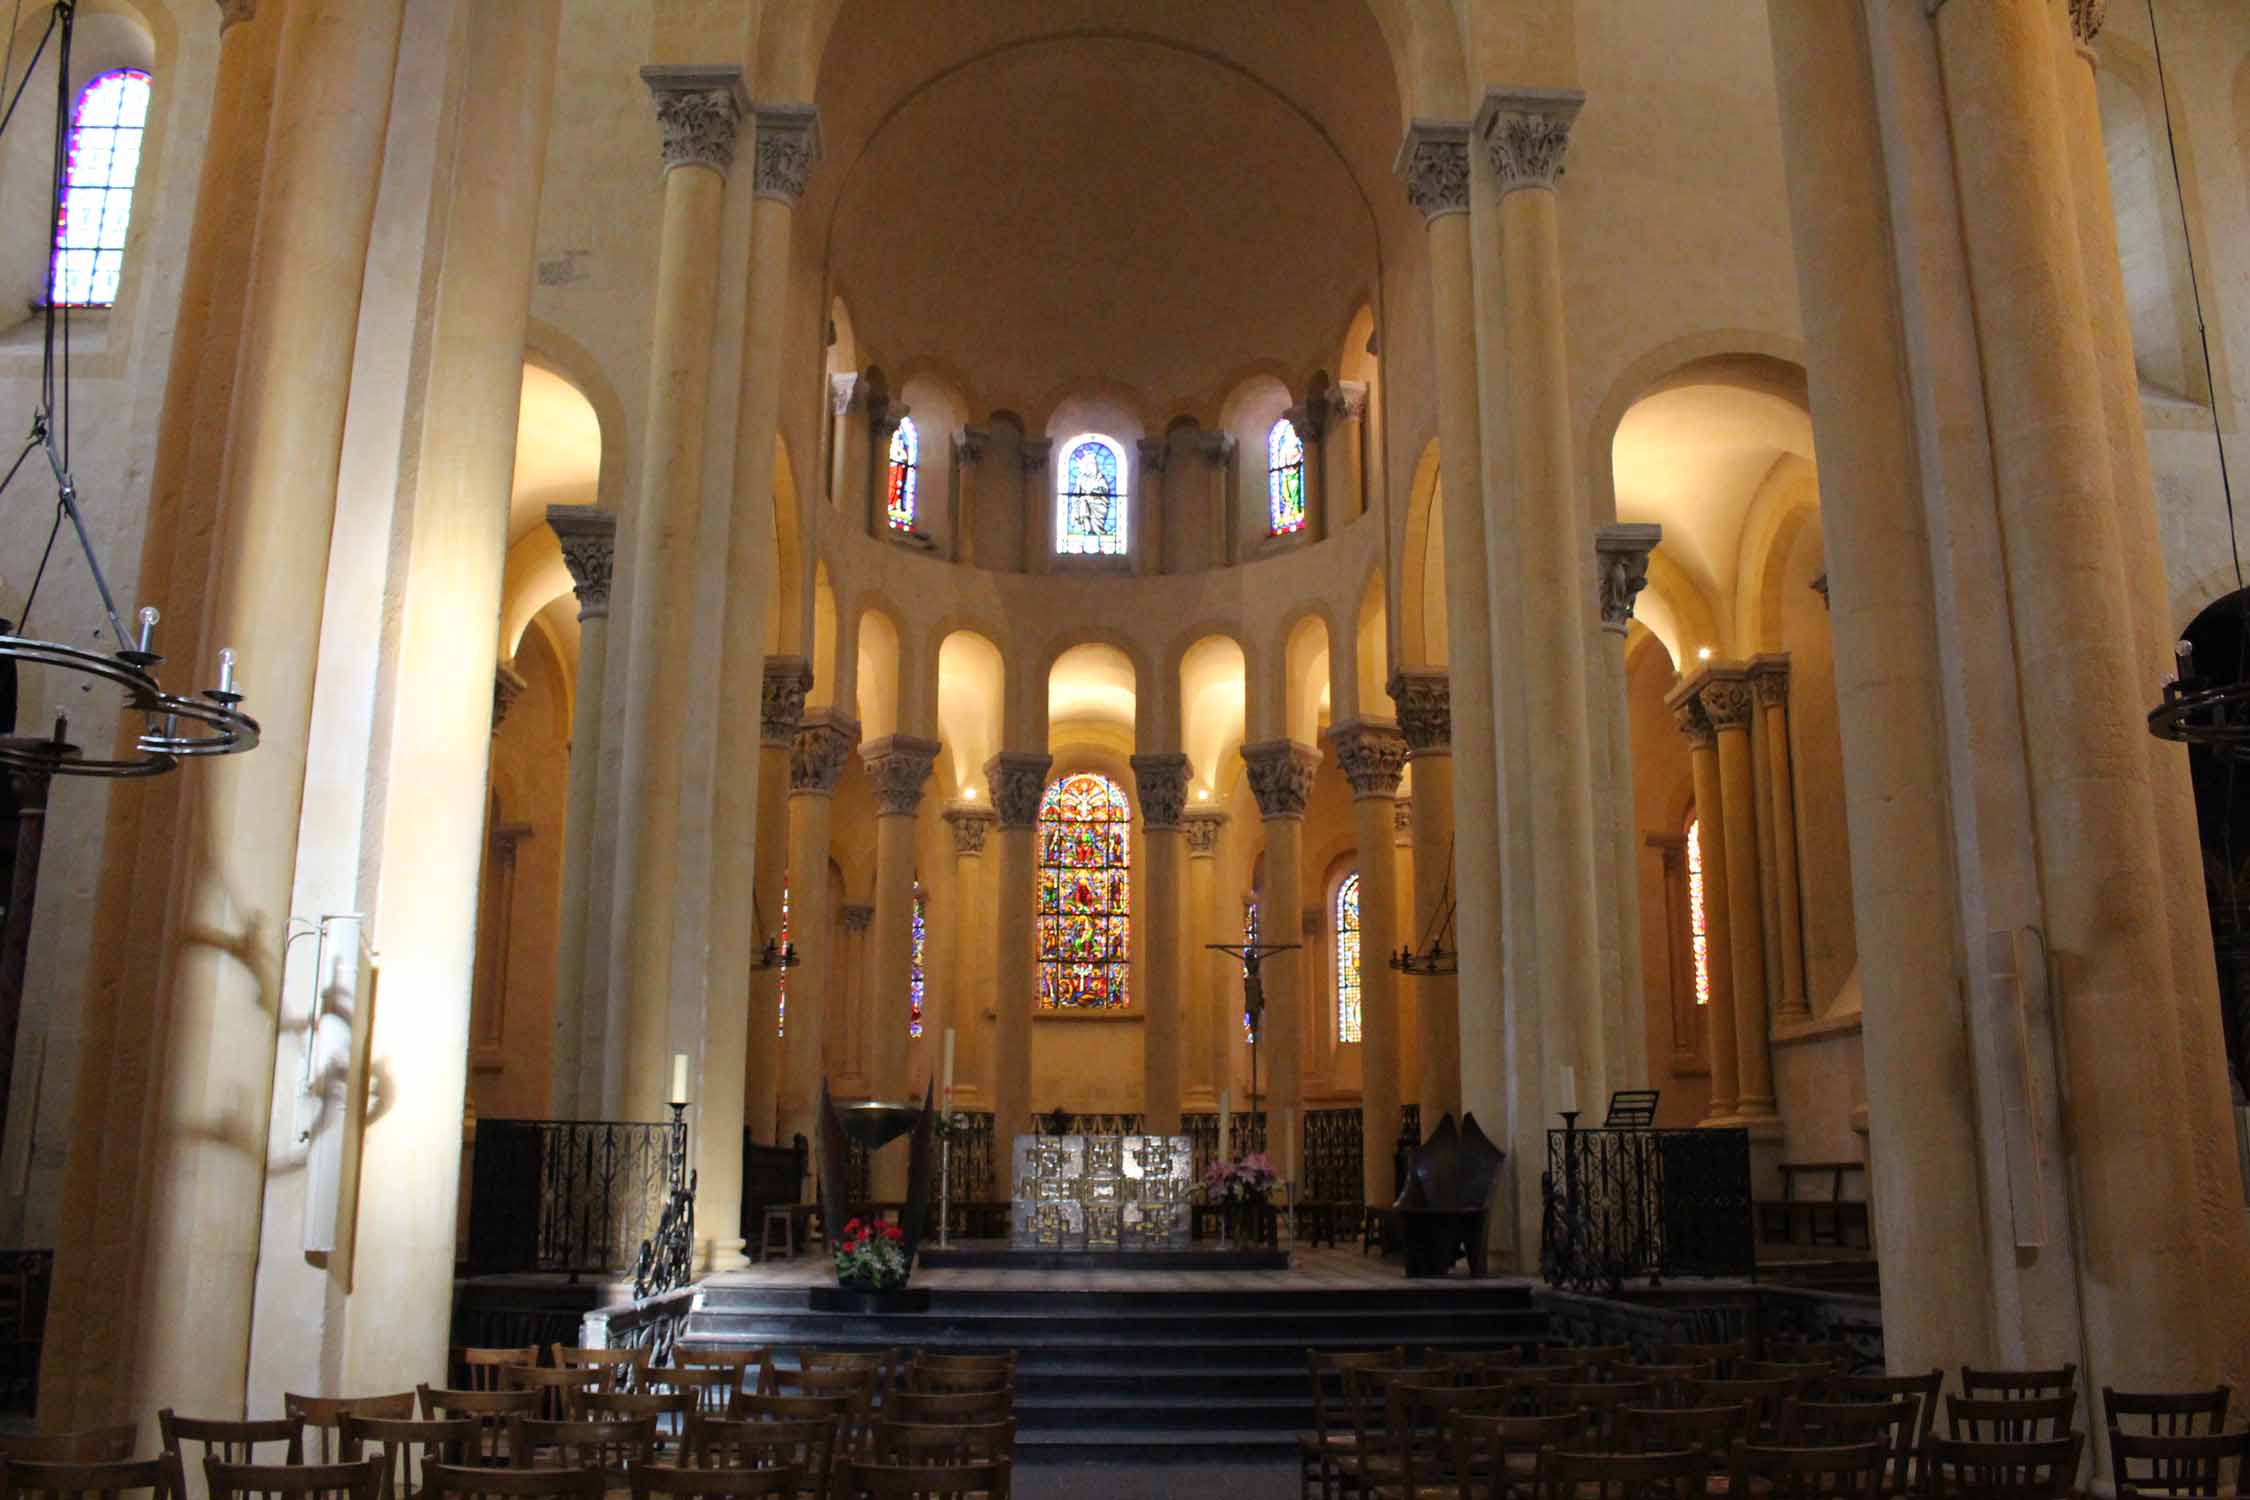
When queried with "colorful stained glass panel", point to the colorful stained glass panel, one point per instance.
{"points": [[1285, 478], [1090, 493], [917, 980], [1085, 894], [906, 449], [1347, 959], [1699, 939], [97, 194]]}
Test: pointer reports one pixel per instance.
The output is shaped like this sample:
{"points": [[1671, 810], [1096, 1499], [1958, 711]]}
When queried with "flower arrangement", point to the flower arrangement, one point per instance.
{"points": [[871, 1256], [1243, 1181]]}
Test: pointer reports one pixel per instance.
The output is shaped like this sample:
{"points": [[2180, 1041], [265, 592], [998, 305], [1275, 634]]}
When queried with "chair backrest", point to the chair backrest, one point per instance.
{"points": [[866, 1481], [1490, 1443], [1806, 1372], [491, 1410], [475, 1482], [605, 1445], [953, 1406], [669, 1409], [2035, 1419], [1596, 1359], [1714, 1430], [945, 1443], [355, 1481], [2189, 1465], [1765, 1399], [324, 1414], [1922, 1390], [1475, 1366], [1326, 1365], [1416, 1417], [840, 1407], [807, 1444], [753, 1363], [712, 1386], [1808, 1424], [2165, 1413], [1565, 1475], [939, 1379], [406, 1446], [997, 1359], [1849, 1471], [730, 1484], [562, 1391], [92, 1445], [621, 1368], [228, 1440], [1666, 1378], [1723, 1357], [1367, 1396], [1527, 1386], [2017, 1385], [1600, 1401], [1958, 1470], [483, 1366], [32, 1479]]}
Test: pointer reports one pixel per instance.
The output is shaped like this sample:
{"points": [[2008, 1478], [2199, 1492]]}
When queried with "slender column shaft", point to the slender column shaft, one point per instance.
{"points": [[1205, 1072], [972, 949], [1016, 779], [1726, 699], [1621, 555], [31, 789], [1770, 676], [1162, 781], [1424, 700], [1718, 918], [780, 715], [588, 538], [898, 765], [1372, 755], [1281, 778], [816, 758]]}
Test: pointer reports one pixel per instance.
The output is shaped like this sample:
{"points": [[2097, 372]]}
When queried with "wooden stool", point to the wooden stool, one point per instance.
{"points": [[786, 1217]]}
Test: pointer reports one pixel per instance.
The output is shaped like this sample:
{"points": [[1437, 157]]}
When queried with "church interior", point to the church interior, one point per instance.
{"points": [[1263, 576]]}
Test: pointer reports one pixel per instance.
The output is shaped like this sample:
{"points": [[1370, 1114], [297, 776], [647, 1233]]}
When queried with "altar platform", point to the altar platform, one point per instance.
{"points": [[1002, 1255]]}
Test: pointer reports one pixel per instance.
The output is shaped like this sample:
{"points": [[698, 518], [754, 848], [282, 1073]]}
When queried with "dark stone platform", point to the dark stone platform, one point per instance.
{"points": [[998, 1255]]}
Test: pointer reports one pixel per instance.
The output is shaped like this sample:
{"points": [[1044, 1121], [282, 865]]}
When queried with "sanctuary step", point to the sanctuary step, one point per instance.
{"points": [[1127, 1373]]}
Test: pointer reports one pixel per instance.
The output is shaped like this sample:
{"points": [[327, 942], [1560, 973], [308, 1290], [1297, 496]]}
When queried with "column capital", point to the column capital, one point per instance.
{"points": [[843, 390], [1769, 675], [1525, 133], [1310, 420], [234, 12], [507, 686], [1694, 726], [855, 916], [1820, 586], [1203, 826], [1424, 698], [898, 764], [1402, 822], [970, 443], [970, 822], [1724, 692], [1281, 776], [1162, 780], [1153, 451], [1033, 453], [1017, 780], [2086, 18], [788, 148], [1372, 754], [1347, 401], [1217, 446], [1433, 162], [588, 535], [698, 108], [823, 743], [1621, 570], [781, 701]]}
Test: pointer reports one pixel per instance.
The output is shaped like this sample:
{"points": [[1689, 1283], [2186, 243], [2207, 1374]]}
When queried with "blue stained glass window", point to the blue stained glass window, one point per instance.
{"points": [[104, 156], [1090, 498], [1347, 959], [1285, 478], [1085, 894], [906, 448], [916, 979]]}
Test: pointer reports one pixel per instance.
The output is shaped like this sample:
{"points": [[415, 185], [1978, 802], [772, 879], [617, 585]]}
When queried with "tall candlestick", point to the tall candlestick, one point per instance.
{"points": [[1569, 1089], [679, 1078], [948, 1084], [1226, 1117]]}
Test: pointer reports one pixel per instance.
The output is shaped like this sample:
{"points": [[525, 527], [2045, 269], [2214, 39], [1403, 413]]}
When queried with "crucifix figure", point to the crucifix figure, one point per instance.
{"points": [[1253, 998]]}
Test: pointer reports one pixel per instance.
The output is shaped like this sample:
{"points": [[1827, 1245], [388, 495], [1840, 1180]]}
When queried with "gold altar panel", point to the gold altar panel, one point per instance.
{"points": [[1113, 1192]]}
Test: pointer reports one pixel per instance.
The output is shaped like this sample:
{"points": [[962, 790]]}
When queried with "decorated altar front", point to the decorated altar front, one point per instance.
{"points": [[1102, 1192]]}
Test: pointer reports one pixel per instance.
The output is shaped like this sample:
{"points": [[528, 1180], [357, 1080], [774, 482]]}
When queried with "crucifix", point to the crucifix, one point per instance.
{"points": [[1253, 1000]]}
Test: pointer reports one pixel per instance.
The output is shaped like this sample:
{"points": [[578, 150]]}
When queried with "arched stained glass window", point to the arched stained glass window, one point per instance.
{"points": [[1285, 478], [917, 980], [1249, 940], [1085, 894], [1347, 959], [97, 194], [1090, 498], [906, 451], [1699, 935], [781, 1010]]}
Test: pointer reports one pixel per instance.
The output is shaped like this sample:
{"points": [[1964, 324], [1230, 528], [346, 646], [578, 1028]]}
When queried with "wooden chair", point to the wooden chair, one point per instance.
{"points": [[670, 1410], [2017, 1385], [31, 1479], [1334, 1432], [406, 1447], [562, 1392], [742, 1360], [1827, 1351], [936, 1445], [713, 1387], [2161, 1414], [483, 1367], [1564, 1475], [607, 1446], [1001, 1360], [1475, 1366], [1416, 1417], [1853, 1471], [1601, 1402], [845, 1409], [1369, 1460], [1922, 1390], [2144, 1464], [1527, 1386], [866, 1481], [1959, 1470], [953, 1406], [227, 1440], [1722, 1357], [1807, 1373], [883, 1367], [1714, 1430], [1501, 1453], [807, 1444], [2034, 1420], [1666, 1378], [1765, 1398], [1594, 1361], [473, 1483], [325, 1414], [731, 1484], [354, 1481], [91, 1445], [1834, 1424], [621, 1368], [491, 1410]]}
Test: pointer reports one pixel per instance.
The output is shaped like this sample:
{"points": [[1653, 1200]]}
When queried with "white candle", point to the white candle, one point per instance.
{"points": [[948, 1067], [679, 1078], [1569, 1089], [1226, 1115]]}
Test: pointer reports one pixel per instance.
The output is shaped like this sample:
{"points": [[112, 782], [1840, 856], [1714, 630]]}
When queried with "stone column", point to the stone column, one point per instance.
{"points": [[1726, 697], [588, 536], [698, 110], [1620, 573], [1281, 779], [1423, 696], [1372, 753], [1769, 675], [897, 765], [1217, 449], [1162, 780], [1150, 531], [969, 447], [1016, 779], [816, 759], [1402, 919], [971, 823], [1038, 505], [1209, 1011], [1344, 455], [1718, 919], [851, 1073], [781, 711], [1435, 164]]}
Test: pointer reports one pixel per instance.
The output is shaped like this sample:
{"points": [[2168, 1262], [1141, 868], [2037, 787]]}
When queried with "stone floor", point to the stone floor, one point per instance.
{"points": [[1314, 1270], [1109, 1481]]}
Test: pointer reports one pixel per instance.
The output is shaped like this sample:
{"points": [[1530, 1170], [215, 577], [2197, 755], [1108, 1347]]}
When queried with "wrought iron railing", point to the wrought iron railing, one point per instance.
{"points": [[1655, 1203], [1246, 1132], [1333, 1152], [576, 1196], [970, 1149]]}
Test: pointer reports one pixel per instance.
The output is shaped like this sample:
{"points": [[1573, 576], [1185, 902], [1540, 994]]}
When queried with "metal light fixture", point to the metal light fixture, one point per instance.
{"points": [[1437, 955], [774, 953]]}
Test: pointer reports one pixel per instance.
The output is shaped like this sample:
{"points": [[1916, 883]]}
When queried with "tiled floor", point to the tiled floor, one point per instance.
{"points": [[1315, 1270]]}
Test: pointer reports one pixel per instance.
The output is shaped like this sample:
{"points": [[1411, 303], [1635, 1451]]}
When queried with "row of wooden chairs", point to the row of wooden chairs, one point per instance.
{"points": [[160, 1478]]}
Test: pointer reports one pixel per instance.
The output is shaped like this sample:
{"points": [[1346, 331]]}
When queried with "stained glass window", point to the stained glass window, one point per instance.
{"points": [[1699, 937], [906, 448], [97, 193], [1347, 959], [1090, 498], [1285, 478], [1249, 940], [916, 980], [781, 1011], [1085, 926]]}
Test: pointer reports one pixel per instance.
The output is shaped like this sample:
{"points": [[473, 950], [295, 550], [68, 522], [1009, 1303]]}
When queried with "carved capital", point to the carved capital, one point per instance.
{"points": [[787, 151], [1402, 822], [781, 701], [234, 12], [1769, 678], [698, 109], [1281, 776], [1433, 162], [1621, 570], [855, 917], [1217, 447], [1153, 453], [898, 764], [1694, 726], [843, 390], [1372, 755], [1347, 401], [1820, 586], [1203, 828], [2086, 18], [1525, 133], [970, 823], [1726, 698], [816, 756], [1310, 420], [1017, 780], [971, 442], [1163, 782], [507, 687], [1424, 699], [1033, 453], [589, 544]]}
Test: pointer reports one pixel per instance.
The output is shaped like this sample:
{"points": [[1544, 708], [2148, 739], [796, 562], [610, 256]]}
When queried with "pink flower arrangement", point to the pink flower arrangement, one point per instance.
{"points": [[1243, 1181]]}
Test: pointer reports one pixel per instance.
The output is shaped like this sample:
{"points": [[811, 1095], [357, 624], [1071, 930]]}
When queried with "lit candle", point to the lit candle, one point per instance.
{"points": [[948, 1085], [1569, 1090], [226, 669], [148, 617], [679, 1078]]}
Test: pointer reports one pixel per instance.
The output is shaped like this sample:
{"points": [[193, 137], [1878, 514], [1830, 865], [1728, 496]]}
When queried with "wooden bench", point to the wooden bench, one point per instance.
{"points": [[1825, 1219]]}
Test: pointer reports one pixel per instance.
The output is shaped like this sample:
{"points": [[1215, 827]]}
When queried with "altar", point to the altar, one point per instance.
{"points": [[1100, 1193]]}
